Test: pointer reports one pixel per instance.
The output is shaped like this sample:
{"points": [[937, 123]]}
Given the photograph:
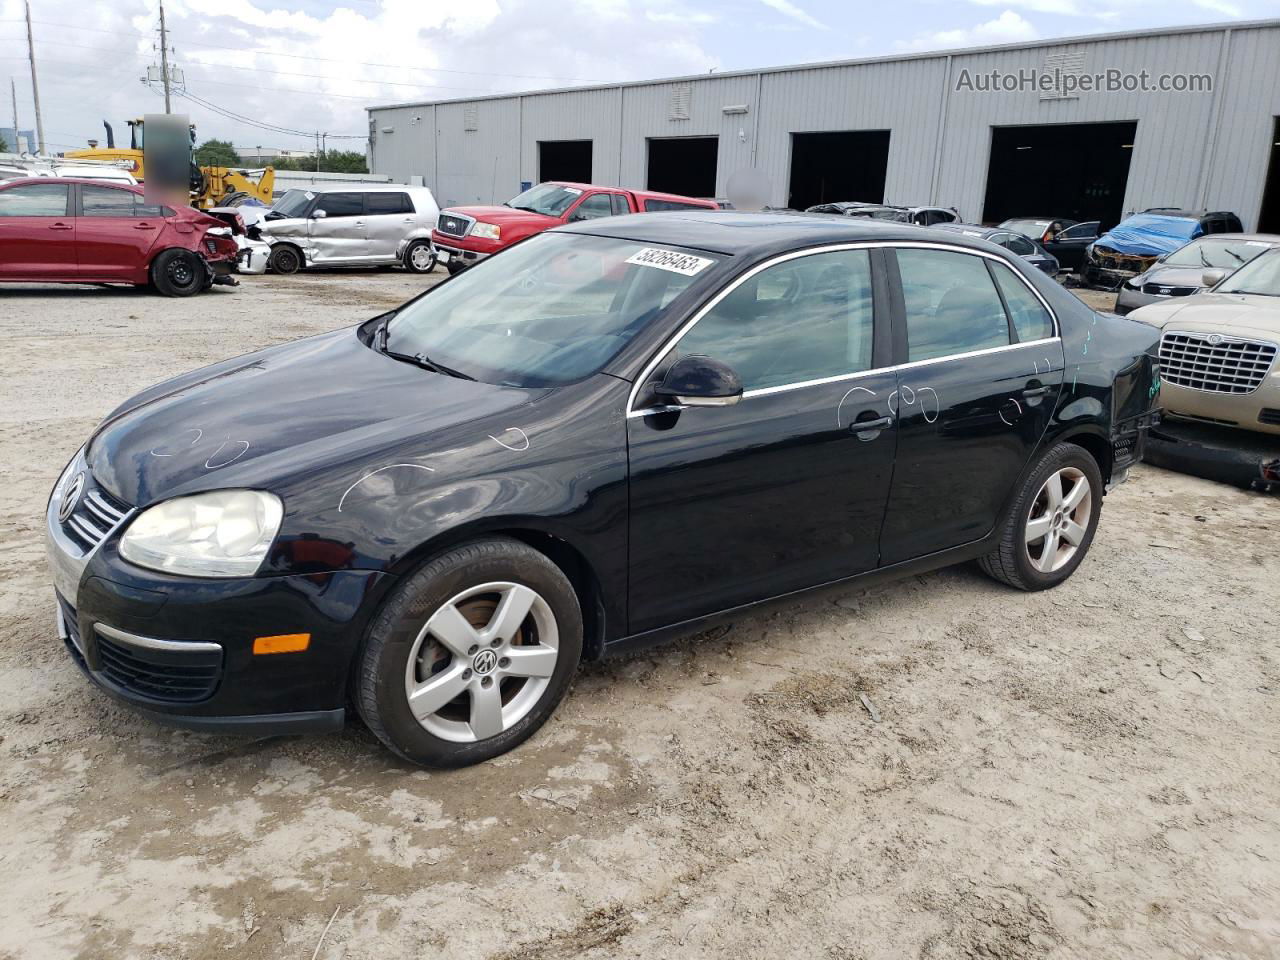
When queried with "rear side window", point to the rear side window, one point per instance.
{"points": [[387, 203], [105, 202], [341, 204], [657, 206], [952, 305], [1031, 321], [620, 205], [34, 200], [1020, 245], [803, 319]]}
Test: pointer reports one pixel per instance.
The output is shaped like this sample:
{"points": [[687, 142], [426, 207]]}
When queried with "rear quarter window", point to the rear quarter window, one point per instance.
{"points": [[656, 206]]}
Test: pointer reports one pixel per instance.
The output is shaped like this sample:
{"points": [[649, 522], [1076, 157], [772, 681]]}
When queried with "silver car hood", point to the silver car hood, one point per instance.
{"points": [[1169, 276], [1232, 314]]}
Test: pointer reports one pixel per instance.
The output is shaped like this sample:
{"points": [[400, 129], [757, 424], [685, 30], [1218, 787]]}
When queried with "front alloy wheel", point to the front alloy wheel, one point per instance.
{"points": [[482, 662]]}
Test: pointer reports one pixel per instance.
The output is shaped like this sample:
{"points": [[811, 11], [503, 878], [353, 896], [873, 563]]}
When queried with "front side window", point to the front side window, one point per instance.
{"points": [[1081, 231], [34, 200], [341, 204], [550, 310], [799, 320], [595, 206], [951, 304], [382, 204], [1031, 321]]}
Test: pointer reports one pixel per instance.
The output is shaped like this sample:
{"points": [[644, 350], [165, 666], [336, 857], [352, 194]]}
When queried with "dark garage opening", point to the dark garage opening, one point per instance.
{"points": [[564, 160], [684, 165], [840, 165], [1269, 216], [1075, 170]]}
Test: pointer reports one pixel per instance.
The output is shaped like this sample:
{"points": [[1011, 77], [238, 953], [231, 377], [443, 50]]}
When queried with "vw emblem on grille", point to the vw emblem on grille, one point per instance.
{"points": [[1214, 339], [71, 497], [484, 662]]}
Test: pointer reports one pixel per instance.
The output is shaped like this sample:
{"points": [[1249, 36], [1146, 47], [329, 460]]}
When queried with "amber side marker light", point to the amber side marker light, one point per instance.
{"points": [[282, 643]]}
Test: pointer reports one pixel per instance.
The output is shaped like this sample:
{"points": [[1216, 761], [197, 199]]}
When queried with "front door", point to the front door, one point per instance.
{"points": [[982, 368], [389, 218], [339, 235], [1068, 245], [779, 492], [115, 232], [37, 232]]}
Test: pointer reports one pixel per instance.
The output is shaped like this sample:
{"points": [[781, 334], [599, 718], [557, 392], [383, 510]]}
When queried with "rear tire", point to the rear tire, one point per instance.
{"points": [[178, 273], [1051, 522], [419, 257], [470, 655], [284, 259]]}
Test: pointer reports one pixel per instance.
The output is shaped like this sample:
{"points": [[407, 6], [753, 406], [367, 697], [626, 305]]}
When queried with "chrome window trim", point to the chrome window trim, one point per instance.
{"points": [[711, 304], [152, 643]]}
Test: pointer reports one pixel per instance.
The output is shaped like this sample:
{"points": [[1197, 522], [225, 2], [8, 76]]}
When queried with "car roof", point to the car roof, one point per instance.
{"points": [[358, 188], [972, 228], [740, 232], [90, 181], [1258, 237]]}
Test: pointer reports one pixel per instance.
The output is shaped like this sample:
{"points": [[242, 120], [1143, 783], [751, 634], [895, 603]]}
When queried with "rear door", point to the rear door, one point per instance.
{"points": [[981, 367], [338, 236], [37, 231], [781, 491], [389, 218], [115, 232]]}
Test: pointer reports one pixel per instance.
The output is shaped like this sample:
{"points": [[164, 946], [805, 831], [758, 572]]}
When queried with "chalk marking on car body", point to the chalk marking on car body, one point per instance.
{"points": [[196, 430], [523, 436], [210, 465], [390, 466], [839, 422]]}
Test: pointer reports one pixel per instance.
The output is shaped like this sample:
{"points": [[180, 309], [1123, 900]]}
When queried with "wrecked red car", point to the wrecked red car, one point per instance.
{"points": [[66, 230]]}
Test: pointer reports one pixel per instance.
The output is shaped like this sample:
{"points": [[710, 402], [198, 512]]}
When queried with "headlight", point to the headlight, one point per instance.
{"points": [[222, 534], [1134, 283], [486, 231]]}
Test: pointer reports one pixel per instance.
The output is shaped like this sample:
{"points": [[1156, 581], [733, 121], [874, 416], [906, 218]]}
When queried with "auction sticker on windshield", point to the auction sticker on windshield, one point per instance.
{"points": [[685, 264]]}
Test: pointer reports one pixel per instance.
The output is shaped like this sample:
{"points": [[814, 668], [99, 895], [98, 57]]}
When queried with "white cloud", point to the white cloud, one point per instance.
{"points": [[1067, 7], [1220, 6], [789, 9], [1009, 27]]}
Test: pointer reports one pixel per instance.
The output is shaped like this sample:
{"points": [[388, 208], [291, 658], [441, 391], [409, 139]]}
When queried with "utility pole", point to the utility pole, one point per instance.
{"points": [[317, 151], [13, 90], [35, 89], [164, 59]]}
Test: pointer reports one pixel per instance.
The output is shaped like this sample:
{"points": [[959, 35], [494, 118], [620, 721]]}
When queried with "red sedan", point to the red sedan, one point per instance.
{"points": [[67, 230]]}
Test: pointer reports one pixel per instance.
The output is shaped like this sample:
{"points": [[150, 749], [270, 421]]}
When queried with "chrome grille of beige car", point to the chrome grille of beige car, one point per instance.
{"points": [[1215, 363]]}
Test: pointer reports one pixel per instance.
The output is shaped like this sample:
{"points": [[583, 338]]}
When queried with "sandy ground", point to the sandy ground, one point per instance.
{"points": [[1092, 772]]}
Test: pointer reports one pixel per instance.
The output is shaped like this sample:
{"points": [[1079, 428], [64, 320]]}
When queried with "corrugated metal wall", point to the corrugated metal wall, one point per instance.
{"points": [[1191, 149]]}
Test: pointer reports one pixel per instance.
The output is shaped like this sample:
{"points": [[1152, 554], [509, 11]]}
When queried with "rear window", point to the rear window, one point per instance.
{"points": [[655, 206]]}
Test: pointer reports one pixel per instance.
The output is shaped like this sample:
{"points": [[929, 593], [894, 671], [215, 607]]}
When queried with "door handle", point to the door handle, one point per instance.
{"points": [[143, 226], [861, 427], [359, 223], [59, 226], [1037, 391]]}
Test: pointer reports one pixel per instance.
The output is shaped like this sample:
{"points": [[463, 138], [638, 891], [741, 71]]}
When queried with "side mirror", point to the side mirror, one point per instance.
{"points": [[696, 381], [1211, 278], [318, 214]]}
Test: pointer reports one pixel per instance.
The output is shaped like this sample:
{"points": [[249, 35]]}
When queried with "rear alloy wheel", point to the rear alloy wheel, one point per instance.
{"points": [[419, 257], [1051, 522], [178, 273], [471, 654], [285, 259]]}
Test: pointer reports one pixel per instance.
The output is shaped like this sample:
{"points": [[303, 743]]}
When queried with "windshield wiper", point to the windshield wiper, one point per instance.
{"points": [[531, 210], [417, 359]]}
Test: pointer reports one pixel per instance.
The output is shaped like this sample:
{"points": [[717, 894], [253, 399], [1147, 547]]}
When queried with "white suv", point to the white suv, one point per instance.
{"points": [[351, 226]]}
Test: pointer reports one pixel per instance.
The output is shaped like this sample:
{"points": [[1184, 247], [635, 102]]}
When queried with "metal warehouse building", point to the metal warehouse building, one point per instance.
{"points": [[914, 129]]}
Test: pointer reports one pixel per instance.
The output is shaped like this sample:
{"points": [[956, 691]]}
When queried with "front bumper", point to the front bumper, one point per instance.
{"points": [[1258, 411], [1224, 454], [180, 649], [454, 254]]}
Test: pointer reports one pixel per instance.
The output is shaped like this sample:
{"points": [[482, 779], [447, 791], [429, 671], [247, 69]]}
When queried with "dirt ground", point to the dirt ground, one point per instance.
{"points": [[1092, 772]]}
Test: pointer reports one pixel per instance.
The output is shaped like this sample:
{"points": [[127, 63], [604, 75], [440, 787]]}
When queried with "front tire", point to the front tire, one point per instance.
{"points": [[1051, 523], [285, 259], [419, 257], [178, 273], [470, 655]]}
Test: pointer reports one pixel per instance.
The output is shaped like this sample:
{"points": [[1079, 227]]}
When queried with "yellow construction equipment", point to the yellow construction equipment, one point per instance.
{"points": [[210, 186]]}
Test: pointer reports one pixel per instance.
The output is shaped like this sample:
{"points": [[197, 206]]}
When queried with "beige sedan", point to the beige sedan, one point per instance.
{"points": [[1218, 349]]}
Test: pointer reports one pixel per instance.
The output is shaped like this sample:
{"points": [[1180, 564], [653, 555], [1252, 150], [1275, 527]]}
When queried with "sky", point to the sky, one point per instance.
{"points": [[269, 72]]}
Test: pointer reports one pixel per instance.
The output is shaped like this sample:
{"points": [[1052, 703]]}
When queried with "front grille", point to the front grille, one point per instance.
{"points": [[1270, 415], [94, 517], [454, 225], [1214, 363], [174, 676], [1160, 290]]}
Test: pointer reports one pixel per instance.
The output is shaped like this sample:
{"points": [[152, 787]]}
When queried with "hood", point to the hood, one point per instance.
{"points": [[503, 215], [275, 417], [1174, 276], [1228, 313]]}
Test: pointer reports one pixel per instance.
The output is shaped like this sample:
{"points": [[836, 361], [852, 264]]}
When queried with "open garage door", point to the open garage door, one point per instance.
{"points": [[684, 165], [1076, 170], [838, 165], [564, 160], [1269, 217]]}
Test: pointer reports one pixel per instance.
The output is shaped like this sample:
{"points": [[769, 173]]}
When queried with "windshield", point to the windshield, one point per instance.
{"points": [[1260, 275], [553, 309], [1216, 253], [550, 199], [293, 204]]}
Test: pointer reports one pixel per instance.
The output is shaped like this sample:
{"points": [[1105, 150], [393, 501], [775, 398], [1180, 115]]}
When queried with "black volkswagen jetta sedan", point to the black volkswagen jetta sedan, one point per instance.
{"points": [[610, 433]]}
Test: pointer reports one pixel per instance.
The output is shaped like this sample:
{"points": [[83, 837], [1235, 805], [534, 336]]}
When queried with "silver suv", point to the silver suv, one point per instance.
{"points": [[350, 226]]}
